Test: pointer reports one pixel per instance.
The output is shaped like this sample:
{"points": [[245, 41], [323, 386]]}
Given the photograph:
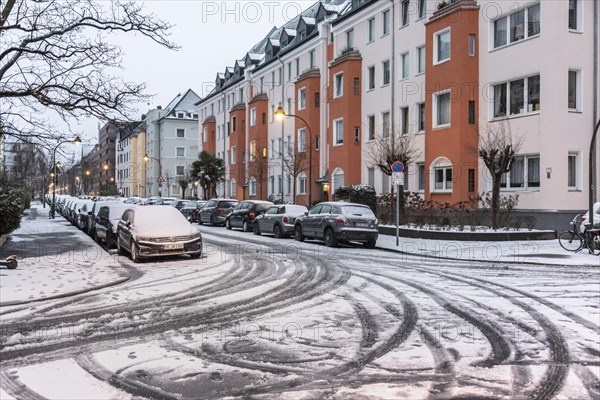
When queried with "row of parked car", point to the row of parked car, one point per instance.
{"points": [[137, 230], [331, 222]]}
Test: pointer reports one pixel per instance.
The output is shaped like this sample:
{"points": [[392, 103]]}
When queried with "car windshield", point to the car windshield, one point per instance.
{"points": [[357, 211], [262, 206], [211, 203], [227, 204], [156, 218], [295, 210]]}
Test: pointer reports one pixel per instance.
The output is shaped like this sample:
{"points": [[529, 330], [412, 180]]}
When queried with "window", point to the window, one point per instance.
{"points": [[471, 181], [371, 30], [264, 118], [262, 85], [371, 78], [243, 157], [289, 71], [302, 99], [252, 151], [442, 46], [405, 121], [575, 15], [573, 93], [311, 59], [205, 135], [279, 147], [524, 174], [385, 183], [371, 176], [317, 143], [421, 176], [573, 172], [517, 97], [302, 183], [442, 179], [420, 60], [272, 148], [472, 45], [297, 67], [301, 140], [385, 126], [472, 112], [421, 117], [272, 79], [233, 188], [280, 75], [180, 151], [422, 8], [385, 21], [405, 12], [441, 116], [271, 184], [371, 127], [233, 155], [338, 85], [357, 86], [404, 65], [317, 99], [338, 132], [234, 124], [180, 133], [180, 115], [337, 179], [350, 39], [252, 187], [385, 78], [356, 135], [511, 28], [252, 116], [180, 170]]}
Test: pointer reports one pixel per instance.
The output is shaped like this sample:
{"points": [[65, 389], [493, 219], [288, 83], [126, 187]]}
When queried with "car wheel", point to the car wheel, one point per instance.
{"points": [[246, 226], [110, 241], [195, 256], [330, 240], [371, 244], [200, 221], [228, 224], [256, 229], [277, 231], [212, 221], [135, 255], [298, 233]]}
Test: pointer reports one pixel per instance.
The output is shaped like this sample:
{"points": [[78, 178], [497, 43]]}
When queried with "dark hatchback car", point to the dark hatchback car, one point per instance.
{"points": [[335, 222], [191, 209], [215, 211], [243, 214], [279, 220]]}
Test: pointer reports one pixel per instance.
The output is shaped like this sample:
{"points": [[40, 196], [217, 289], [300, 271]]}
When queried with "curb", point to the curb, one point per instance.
{"points": [[484, 261], [67, 294]]}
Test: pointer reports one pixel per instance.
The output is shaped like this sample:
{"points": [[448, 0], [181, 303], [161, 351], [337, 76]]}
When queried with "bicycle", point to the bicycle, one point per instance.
{"points": [[576, 239]]}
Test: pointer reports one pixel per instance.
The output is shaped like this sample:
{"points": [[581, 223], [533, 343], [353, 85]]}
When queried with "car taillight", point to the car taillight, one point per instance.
{"points": [[342, 220], [252, 214], [220, 210], [583, 218], [285, 219], [376, 221]]}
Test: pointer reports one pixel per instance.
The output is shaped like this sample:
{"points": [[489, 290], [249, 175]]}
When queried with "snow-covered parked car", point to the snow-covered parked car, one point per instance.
{"points": [[157, 231], [107, 220]]}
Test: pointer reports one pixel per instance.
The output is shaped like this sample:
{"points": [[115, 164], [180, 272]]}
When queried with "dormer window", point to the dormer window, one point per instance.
{"points": [[180, 115]]}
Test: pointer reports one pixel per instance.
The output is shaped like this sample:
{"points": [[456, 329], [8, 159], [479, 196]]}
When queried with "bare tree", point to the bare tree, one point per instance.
{"points": [[56, 56], [498, 147], [258, 168], [294, 164], [384, 152]]}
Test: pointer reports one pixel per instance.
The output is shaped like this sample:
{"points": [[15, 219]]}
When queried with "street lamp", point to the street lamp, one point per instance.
{"points": [[280, 115], [146, 158], [77, 141]]}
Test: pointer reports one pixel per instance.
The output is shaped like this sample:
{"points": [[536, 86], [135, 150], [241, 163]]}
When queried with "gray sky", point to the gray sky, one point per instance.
{"points": [[211, 34]]}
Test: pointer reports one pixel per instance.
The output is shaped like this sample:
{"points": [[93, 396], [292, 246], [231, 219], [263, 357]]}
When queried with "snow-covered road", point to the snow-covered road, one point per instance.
{"points": [[271, 318]]}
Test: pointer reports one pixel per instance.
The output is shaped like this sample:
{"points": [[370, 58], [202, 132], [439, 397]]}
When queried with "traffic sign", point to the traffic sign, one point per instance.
{"points": [[398, 178], [398, 166], [160, 179]]}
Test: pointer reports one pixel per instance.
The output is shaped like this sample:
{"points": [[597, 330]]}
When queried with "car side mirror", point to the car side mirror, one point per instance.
{"points": [[306, 213]]}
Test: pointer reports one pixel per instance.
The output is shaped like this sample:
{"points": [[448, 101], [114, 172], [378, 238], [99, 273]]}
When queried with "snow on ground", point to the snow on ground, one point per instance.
{"points": [[54, 261]]}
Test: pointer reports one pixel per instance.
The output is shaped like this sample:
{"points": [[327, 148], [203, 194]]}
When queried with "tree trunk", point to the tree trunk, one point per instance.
{"points": [[496, 200]]}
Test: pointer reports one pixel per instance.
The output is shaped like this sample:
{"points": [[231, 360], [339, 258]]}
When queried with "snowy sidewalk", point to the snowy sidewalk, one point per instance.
{"points": [[520, 252], [55, 260]]}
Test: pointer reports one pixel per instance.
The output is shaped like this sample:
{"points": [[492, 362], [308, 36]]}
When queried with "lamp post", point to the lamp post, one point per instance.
{"points": [[280, 115], [146, 158], [591, 174], [77, 141]]}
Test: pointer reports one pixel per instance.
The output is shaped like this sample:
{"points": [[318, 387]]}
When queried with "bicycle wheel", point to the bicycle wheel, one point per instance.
{"points": [[570, 241], [592, 243]]}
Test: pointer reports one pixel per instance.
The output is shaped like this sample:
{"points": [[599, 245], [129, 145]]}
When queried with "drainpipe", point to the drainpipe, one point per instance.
{"points": [[283, 129], [392, 73], [225, 136], [592, 154]]}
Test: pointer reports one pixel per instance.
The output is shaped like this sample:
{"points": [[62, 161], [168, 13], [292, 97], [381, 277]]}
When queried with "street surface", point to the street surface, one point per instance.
{"points": [[258, 317]]}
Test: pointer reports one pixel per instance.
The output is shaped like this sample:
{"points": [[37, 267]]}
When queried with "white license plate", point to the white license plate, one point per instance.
{"points": [[174, 246], [361, 225]]}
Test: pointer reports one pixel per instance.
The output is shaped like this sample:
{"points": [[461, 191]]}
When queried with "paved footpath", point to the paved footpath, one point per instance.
{"points": [[55, 260]]}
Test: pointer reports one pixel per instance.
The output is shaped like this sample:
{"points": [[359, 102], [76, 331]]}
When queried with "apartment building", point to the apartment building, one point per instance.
{"points": [[350, 72], [171, 141], [127, 158]]}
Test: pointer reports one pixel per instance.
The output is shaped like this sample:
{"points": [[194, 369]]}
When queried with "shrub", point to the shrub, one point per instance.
{"points": [[11, 208], [361, 194], [530, 221]]}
